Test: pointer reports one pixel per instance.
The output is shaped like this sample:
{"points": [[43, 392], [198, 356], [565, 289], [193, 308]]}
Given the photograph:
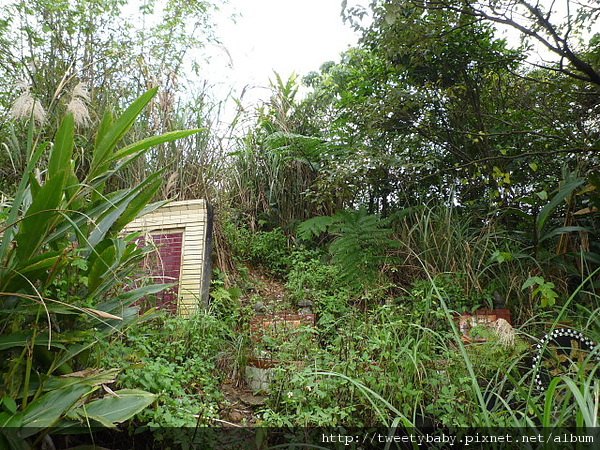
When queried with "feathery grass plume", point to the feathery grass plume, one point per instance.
{"points": [[77, 106], [27, 105]]}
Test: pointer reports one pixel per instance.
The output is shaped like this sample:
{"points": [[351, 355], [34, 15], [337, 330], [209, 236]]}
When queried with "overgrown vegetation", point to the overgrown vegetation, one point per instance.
{"points": [[433, 171]]}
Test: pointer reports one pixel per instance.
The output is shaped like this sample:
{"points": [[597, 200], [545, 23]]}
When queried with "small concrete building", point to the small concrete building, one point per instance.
{"points": [[182, 233]]}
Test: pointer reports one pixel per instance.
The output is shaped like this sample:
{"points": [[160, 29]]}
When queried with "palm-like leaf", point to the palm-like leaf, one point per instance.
{"points": [[62, 230]]}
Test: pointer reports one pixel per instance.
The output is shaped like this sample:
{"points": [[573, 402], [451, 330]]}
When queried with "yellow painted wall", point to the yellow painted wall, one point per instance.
{"points": [[191, 216]]}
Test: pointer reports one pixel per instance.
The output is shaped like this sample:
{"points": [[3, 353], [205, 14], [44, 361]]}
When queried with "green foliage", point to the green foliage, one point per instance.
{"points": [[544, 289], [176, 359], [359, 246], [311, 277], [431, 109], [225, 302], [423, 302], [65, 281], [266, 249], [384, 366]]}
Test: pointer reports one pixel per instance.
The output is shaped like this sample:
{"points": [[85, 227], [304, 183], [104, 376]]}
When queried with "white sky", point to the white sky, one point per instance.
{"points": [[282, 35]]}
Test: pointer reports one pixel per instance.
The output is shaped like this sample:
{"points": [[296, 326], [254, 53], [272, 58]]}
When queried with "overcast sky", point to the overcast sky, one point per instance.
{"points": [[282, 35]]}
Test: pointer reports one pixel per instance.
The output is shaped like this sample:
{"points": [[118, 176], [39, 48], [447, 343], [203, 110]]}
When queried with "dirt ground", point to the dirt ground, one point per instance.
{"points": [[242, 403]]}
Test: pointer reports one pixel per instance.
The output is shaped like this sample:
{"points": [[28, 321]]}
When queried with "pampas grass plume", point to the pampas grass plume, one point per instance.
{"points": [[77, 106], [27, 106]]}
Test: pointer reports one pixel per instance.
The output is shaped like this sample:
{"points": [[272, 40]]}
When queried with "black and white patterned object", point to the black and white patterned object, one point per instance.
{"points": [[562, 353]]}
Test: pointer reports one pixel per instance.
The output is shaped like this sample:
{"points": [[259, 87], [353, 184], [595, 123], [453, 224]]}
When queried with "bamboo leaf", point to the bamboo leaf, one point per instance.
{"points": [[62, 151], [113, 134], [39, 216], [49, 408]]}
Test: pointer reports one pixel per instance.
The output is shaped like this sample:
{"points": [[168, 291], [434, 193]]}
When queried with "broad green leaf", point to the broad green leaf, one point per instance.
{"points": [[62, 151], [9, 230], [23, 338], [102, 228], [80, 218], [137, 204], [40, 262], [118, 409], [561, 195], [531, 281], [34, 309], [9, 420], [151, 207], [34, 186], [9, 404], [40, 216], [50, 407], [13, 440], [101, 263], [103, 127], [72, 186], [151, 142], [72, 351], [135, 294], [113, 215], [78, 416], [561, 230], [92, 378], [116, 131]]}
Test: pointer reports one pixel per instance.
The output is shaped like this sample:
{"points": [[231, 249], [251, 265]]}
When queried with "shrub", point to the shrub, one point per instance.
{"points": [[177, 359], [64, 270]]}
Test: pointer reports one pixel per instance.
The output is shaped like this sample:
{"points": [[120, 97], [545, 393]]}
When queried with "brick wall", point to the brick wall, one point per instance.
{"points": [[184, 228], [164, 266]]}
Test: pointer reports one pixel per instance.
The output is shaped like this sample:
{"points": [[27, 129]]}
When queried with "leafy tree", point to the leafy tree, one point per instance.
{"points": [[439, 103], [52, 49], [559, 27]]}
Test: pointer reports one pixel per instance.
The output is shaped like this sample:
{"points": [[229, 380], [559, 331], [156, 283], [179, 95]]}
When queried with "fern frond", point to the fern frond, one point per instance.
{"points": [[360, 243], [314, 227]]}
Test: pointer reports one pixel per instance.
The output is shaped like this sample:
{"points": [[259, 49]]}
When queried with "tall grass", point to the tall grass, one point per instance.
{"points": [[194, 167], [442, 239], [387, 367]]}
